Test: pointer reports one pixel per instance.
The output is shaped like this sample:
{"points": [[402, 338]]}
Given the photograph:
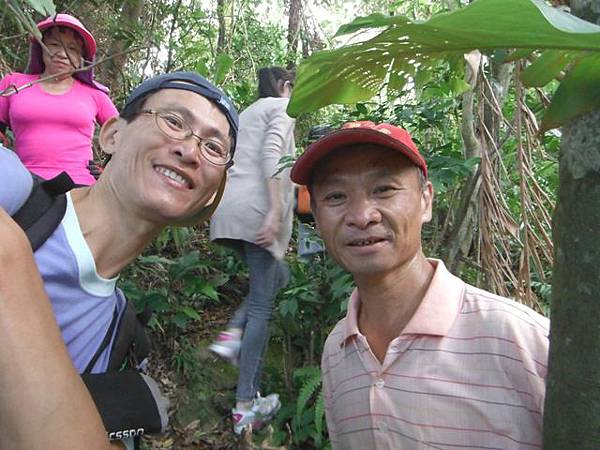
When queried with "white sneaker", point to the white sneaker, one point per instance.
{"points": [[227, 346], [263, 409]]}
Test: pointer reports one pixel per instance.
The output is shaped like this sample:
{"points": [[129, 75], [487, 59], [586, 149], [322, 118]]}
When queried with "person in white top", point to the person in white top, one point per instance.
{"points": [[255, 218]]}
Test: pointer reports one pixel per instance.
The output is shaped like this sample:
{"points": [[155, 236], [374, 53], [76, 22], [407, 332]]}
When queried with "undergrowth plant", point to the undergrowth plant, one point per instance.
{"points": [[175, 282]]}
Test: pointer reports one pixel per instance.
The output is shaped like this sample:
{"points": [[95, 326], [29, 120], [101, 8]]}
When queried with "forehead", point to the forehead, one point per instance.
{"points": [[200, 112], [360, 161], [62, 33]]}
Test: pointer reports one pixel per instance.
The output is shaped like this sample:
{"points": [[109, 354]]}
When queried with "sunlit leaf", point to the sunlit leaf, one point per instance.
{"points": [[357, 72], [190, 312], [209, 291], [459, 86], [222, 66], [376, 20]]}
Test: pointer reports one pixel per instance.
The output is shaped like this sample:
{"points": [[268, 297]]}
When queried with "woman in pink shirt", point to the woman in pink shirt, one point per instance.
{"points": [[53, 121]]}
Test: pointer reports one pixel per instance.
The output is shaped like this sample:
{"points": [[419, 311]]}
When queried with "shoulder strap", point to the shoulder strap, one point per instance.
{"points": [[44, 209], [104, 343]]}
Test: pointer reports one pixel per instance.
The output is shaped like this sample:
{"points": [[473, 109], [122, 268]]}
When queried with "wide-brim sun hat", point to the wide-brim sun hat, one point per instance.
{"points": [[68, 21], [36, 61], [353, 133]]}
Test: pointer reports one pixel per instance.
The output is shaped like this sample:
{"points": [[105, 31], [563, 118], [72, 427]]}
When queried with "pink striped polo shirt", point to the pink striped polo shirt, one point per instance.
{"points": [[467, 372]]}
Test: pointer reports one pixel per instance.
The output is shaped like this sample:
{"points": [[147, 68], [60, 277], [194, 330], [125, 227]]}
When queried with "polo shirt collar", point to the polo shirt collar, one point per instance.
{"points": [[436, 313]]}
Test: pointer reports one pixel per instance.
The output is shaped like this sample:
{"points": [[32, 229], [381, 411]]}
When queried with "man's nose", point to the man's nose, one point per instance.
{"points": [[362, 212], [187, 150]]}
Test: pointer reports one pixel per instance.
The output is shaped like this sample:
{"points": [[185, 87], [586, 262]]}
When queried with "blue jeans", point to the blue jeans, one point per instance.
{"points": [[267, 277]]}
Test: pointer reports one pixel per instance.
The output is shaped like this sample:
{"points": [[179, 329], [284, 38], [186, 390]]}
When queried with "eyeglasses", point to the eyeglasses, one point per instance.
{"points": [[176, 128], [56, 47]]}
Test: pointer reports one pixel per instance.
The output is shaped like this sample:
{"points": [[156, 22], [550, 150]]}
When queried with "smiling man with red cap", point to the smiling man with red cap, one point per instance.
{"points": [[422, 359]]}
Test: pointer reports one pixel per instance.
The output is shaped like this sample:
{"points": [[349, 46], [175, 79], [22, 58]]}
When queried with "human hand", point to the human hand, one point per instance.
{"points": [[269, 229]]}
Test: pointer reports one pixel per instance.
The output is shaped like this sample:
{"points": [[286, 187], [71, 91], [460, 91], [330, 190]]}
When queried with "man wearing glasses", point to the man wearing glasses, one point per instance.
{"points": [[169, 150]]}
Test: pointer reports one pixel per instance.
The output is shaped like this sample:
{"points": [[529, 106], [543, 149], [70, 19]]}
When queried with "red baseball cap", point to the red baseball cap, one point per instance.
{"points": [[351, 133]]}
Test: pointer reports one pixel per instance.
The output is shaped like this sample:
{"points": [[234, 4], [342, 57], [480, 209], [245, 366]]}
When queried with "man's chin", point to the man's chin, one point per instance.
{"points": [[204, 212], [199, 215]]}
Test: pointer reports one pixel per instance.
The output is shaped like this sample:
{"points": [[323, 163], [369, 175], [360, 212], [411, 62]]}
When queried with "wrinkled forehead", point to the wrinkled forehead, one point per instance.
{"points": [[356, 160]]}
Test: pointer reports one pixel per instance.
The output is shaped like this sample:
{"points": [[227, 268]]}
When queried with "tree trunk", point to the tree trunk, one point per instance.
{"points": [[222, 29], [461, 232], [294, 28], [130, 13], [465, 227], [572, 409], [174, 22]]}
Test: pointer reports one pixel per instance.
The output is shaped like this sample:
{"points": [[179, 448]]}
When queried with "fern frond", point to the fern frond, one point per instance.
{"points": [[319, 417], [309, 387]]}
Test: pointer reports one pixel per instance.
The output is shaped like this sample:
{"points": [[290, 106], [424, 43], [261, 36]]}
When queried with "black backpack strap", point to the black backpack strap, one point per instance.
{"points": [[44, 209], [104, 343], [131, 342]]}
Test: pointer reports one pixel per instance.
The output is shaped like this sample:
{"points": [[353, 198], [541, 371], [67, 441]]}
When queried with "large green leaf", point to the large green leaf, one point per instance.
{"points": [[545, 68], [404, 48], [578, 93]]}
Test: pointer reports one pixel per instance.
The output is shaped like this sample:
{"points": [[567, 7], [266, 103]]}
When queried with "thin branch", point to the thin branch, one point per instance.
{"points": [[12, 89]]}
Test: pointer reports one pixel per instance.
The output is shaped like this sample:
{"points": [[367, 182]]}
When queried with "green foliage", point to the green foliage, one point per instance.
{"points": [[185, 359], [187, 283], [24, 19], [308, 308], [314, 300], [407, 50], [578, 93], [307, 416], [223, 64]]}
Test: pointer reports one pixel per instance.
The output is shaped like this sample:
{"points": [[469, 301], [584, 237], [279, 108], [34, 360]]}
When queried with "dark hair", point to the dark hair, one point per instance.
{"points": [[131, 111], [271, 80]]}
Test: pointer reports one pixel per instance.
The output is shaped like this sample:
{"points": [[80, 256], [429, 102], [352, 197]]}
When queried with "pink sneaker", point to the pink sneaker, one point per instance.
{"points": [[227, 346], [262, 411]]}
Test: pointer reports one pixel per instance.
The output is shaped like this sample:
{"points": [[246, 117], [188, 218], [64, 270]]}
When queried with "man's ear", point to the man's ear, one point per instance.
{"points": [[427, 201], [109, 134]]}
